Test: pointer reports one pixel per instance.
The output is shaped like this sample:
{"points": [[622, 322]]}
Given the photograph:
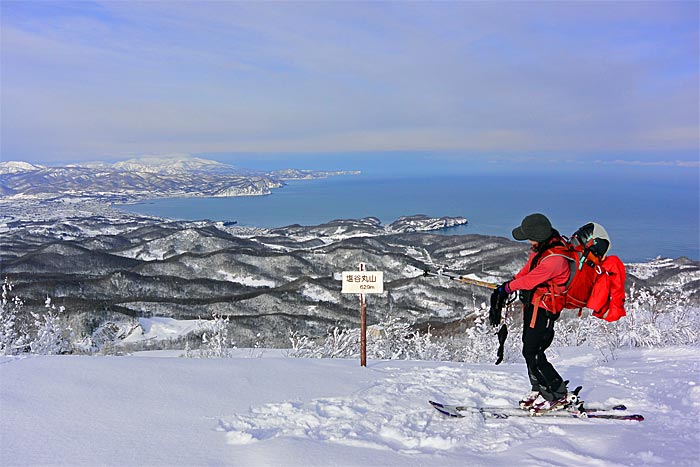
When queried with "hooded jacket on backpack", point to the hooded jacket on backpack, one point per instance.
{"points": [[607, 298]]}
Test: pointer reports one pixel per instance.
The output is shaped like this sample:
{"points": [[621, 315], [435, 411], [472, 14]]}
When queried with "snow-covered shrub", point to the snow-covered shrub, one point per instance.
{"points": [[45, 334], [479, 342], [572, 329], [341, 343], [258, 349], [338, 343], [216, 342], [659, 319], [390, 339], [302, 346], [394, 339], [13, 340], [654, 319], [52, 336]]}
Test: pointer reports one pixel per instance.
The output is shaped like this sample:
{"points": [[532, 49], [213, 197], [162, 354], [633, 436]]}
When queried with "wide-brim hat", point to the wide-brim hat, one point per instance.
{"points": [[535, 227]]}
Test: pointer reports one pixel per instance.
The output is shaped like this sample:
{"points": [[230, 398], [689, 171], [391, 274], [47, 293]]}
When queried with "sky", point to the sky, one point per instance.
{"points": [[111, 80]]}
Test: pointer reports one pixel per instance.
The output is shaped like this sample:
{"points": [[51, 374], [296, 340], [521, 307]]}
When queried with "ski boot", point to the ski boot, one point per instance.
{"points": [[542, 405], [529, 399]]}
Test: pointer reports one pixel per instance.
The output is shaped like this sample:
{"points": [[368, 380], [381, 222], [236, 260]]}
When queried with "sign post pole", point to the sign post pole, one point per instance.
{"points": [[363, 282], [363, 326]]}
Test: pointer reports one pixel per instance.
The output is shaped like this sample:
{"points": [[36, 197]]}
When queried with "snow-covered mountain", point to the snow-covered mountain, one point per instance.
{"points": [[118, 267], [148, 177], [12, 167], [175, 164]]}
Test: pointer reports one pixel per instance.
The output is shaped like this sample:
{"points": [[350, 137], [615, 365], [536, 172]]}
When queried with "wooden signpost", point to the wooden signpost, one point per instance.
{"points": [[363, 282]]}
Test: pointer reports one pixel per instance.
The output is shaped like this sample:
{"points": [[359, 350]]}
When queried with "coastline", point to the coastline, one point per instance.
{"points": [[490, 209]]}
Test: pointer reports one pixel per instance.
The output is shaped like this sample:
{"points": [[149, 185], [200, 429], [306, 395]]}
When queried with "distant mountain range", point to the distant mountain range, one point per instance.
{"points": [[109, 270], [147, 177]]}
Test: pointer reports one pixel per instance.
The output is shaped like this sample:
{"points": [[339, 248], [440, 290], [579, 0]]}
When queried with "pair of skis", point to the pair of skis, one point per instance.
{"points": [[457, 411], [578, 410]]}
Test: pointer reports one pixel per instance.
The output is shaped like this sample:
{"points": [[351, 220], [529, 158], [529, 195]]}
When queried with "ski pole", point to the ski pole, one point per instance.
{"points": [[457, 277]]}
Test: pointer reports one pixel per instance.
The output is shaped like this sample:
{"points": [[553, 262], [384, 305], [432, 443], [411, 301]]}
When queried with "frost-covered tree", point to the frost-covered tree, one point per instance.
{"points": [[658, 319], [52, 336], [390, 339], [395, 339], [13, 340], [302, 346], [479, 343], [654, 319], [216, 342]]}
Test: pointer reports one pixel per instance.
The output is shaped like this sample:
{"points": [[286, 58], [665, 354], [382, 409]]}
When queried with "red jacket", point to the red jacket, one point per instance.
{"points": [[607, 298], [552, 270]]}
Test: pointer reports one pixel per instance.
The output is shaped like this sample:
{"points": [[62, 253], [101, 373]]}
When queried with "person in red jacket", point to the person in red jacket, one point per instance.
{"points": [[543, 273]]}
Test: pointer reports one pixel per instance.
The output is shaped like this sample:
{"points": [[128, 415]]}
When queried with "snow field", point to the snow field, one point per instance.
{"points": [[154, 409]]}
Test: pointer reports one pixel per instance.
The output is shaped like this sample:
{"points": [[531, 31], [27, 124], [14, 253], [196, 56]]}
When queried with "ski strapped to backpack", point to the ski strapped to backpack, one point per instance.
{"points": [[596, 281]]}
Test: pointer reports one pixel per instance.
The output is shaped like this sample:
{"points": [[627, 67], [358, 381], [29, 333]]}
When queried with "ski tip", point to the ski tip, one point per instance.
{"points": [[446, 410], [449, 414], [633, 417]]}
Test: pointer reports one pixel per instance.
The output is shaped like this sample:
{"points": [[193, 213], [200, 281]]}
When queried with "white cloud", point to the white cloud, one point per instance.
{"points": [[234, 76]]}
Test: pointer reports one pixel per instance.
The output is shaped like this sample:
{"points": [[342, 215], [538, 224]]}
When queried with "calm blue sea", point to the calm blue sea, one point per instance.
{"points": [[648, 212]]}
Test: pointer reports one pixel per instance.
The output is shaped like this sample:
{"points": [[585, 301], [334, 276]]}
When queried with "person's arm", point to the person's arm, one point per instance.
{"points": [[550, 268]]}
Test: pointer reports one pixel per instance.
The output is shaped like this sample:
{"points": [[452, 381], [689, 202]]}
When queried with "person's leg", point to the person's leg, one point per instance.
{"points": [[543, 377], [531, 348], [554, 386]]}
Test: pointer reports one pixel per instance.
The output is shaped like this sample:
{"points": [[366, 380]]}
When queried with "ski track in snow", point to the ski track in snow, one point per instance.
{"points": [[318, 412], [371, 418]]}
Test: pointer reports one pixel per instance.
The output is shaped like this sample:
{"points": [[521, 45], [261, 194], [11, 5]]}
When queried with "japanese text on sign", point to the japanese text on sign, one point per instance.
{"points": [[363, 282]]}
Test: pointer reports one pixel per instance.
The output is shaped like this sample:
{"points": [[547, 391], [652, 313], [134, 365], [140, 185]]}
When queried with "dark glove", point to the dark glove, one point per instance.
{"points": [[502, 335], [504, 288], [498, 300]]}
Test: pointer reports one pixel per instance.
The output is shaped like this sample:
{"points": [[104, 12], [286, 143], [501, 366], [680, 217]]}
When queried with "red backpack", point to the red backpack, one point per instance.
{"points": [[597, 281]]}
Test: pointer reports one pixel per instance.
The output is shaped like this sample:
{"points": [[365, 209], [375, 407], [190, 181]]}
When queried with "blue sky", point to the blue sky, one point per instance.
{"points": [[590, 80]]}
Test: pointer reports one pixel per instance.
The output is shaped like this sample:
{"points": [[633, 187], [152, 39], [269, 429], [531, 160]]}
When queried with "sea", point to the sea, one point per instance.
{"points": [[649, 210]]}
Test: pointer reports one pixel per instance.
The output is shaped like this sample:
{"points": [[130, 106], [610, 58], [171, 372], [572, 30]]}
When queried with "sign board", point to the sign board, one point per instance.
{"points": [[361, 282]]}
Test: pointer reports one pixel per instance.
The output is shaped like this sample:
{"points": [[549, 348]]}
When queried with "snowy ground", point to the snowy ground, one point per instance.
{"points": [[155, 409]]}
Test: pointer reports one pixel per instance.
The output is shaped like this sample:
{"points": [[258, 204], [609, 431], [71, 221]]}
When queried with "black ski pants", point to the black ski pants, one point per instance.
{"points": [[543, 377]]}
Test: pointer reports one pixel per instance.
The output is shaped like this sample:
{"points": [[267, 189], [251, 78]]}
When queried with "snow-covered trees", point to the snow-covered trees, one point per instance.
{"points": [[391, 339], [396, 339], [52, 336], [654, 319], [216, 342], [13, 340], [44, 334]]}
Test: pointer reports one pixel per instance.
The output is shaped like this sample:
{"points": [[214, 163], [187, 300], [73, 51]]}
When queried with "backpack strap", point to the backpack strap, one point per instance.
{"points": [[536, 307], [552, 290], [559, 242], [573, 266], [541, 256]]}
